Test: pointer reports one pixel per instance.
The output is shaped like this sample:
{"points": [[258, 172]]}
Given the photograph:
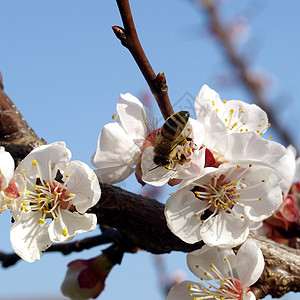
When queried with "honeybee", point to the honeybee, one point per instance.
{"points": [[175, 131]]}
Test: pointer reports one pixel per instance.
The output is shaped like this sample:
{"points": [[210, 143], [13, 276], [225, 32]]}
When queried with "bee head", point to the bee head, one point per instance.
{"points": [[161, 161]]}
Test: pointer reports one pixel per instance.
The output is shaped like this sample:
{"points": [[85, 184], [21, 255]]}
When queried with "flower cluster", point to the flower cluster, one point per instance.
{"points": [[230, 177], [48, 197]]}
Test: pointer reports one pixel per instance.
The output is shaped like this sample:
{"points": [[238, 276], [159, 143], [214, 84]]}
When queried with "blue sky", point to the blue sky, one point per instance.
{"points": [[64, 69]]}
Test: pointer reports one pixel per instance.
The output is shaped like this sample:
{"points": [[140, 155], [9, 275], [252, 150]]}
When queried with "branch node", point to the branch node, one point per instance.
{"points": [[119, 32]]}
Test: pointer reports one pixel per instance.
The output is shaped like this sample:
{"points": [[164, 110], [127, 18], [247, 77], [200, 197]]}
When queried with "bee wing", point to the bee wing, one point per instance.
{"points": [[150, 122], [181, 135]]}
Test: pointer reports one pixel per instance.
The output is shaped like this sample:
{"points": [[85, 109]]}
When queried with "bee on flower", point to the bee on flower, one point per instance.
{"points": [[53, 209]]}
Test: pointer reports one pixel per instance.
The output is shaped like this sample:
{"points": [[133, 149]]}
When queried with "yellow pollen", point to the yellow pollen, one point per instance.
{"points": [[67, 175], [234, 189], [195, 215], [226, 120], [224, 186], [259, 198], [262, 119], [55, 193], [54, 219], [213, 102], [257, 131], [64, 232], [70, 195], [241, 130], [217, 110], [250, 165], [270, 137], [231, 111], [242, 217], [240, 108], [41, 221], [190, 149], [27, 192], [261, 133], [215, 175], [47, 184], [211, 197], [24, 170], [205, 273], [197, 266], [242, 111], [259, 125], [243, 178], [224, 101], [225, 258], [113, 116], [208, 182], [244, 123], [238, 166], [35, 187], [34, 163], [235, 202], [202, 221], [246, 130], [24, 202], [263, 180], [239, 196], [269, 124], [39, 209]]}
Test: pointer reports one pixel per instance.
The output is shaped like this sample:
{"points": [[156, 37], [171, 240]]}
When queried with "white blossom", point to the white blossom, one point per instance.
{"points": [[120, 142], [57, 191], [228, 275], [219, 206]]}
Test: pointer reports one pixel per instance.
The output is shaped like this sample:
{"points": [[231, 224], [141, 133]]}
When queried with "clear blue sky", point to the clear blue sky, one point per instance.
{"points": [[64, 69]]}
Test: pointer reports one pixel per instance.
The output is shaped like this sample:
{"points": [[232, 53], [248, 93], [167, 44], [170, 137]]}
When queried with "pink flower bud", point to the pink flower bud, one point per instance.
{"points": [[85, 279]]}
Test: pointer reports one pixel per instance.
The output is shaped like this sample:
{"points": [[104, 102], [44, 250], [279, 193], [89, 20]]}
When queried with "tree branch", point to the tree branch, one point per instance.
{"points": [[238, 62], [129, 39]]}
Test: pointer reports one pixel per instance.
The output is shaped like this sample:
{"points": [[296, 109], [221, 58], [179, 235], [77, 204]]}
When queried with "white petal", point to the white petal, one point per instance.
{"points": [[206, 104], [249, 296], [114, 174], [115, 149], [250, 263], [199, 261], [297, 173], [246, 116], [50, 158], [74, 223], [82, 182], [181, 290], [7, 167], [153, 174], [28, 237], [225, 230], [197, 132], [179, 211], [129, 110]]}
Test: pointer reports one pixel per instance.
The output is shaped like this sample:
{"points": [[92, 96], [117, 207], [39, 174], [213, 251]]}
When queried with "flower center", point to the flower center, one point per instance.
{"points": [[222, 287], [47, 197]]}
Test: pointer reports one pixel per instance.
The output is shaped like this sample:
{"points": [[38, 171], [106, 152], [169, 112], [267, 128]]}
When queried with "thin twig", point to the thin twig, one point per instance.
{"points": [[109, 236], [239, 63], [129, 39]]}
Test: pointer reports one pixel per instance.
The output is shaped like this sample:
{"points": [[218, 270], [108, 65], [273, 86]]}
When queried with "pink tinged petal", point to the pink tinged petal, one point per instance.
{"points": [[129, 110], [225, 230], [69, 224], [152, 173], [116, 149], [206, 104], [56, 153], [181, 290], [199, 261], [82, 182], [250, 263], [180, 212], [247, 116], [7, 167], [28, 237]]}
